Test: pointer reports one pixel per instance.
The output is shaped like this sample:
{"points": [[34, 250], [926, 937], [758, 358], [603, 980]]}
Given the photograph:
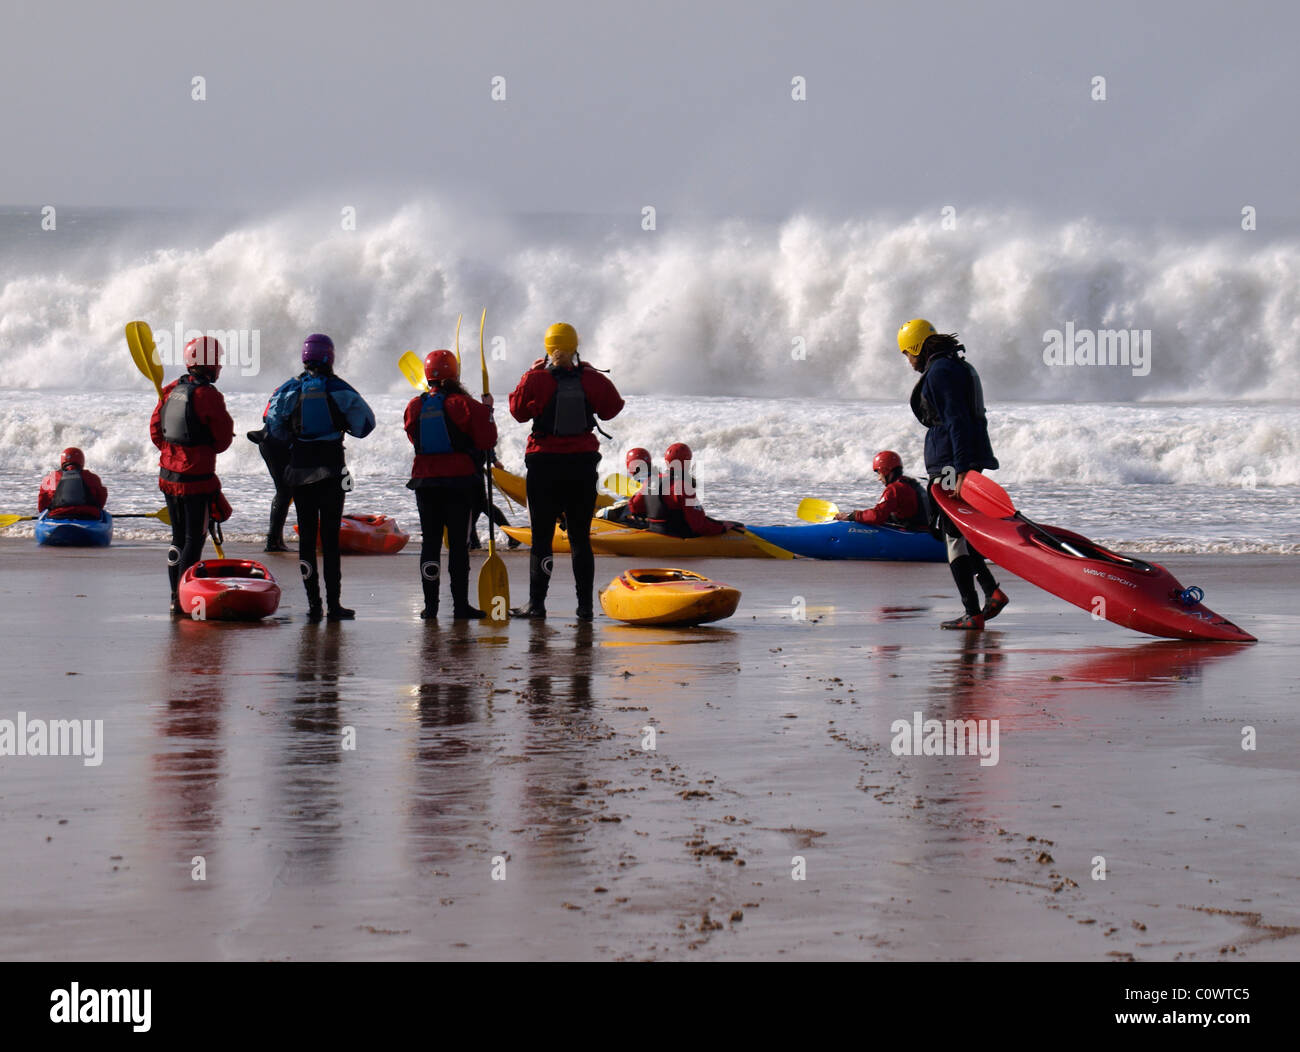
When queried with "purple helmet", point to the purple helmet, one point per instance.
{"points": [[318, 349]]}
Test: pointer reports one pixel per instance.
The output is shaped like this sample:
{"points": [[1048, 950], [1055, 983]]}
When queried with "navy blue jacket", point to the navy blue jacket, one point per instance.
{"points": [[949, 401]]}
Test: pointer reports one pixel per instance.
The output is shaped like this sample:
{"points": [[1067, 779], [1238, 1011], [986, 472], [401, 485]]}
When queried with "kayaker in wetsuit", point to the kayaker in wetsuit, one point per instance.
{"points": [[190, 426], [496, 517], [447, 427], [949, 401], [904, 504], [312, 412], [72, 492], [275, 452], [563, 396], [638, 469], [668, 503]]}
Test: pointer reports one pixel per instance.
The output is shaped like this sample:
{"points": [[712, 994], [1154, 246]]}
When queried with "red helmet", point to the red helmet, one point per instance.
{"points": [[636, 456], [204, 353], [678, 452], [887, 460], [72, 455], [441, 365]]}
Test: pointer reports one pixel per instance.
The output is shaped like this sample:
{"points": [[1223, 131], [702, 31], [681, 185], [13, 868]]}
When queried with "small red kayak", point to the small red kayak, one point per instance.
{"points": [[228, 590], [1126, 591], [370, 535]]}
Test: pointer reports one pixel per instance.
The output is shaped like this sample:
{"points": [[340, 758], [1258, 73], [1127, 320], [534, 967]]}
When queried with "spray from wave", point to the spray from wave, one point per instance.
{"points": [[804, 308]]}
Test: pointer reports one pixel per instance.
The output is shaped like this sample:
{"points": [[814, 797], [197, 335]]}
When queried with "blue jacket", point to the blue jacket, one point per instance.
{"points": [[949, 401], [357, 417]]}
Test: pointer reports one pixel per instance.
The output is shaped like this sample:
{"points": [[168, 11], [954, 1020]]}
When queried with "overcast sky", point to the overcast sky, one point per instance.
{"points": [[686, 106]]}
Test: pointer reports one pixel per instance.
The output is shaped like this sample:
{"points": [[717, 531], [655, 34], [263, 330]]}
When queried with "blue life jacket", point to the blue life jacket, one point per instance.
{"points": [[315, 417], [433, 436]]}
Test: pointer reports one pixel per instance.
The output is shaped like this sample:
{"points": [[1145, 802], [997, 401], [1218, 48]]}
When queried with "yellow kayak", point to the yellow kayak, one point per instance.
{"points": [[516, 488], [612, 538], [667, 597]]}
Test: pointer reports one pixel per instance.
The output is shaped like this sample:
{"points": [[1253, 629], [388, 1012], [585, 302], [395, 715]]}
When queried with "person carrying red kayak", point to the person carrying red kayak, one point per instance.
{"points": [[312, 412], [451, 432], [72, 492], [904, 504], [639, 470], [190, 426], [562, 396], [949, 401], [668, 503]]}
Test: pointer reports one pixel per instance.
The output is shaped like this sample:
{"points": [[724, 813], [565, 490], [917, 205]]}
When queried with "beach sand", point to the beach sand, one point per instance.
{"points": [[520, 749]]}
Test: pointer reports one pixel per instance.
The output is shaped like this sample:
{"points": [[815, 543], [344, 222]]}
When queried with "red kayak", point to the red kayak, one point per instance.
{"points": [[228, 590], [1138, 595], [370, 535]]}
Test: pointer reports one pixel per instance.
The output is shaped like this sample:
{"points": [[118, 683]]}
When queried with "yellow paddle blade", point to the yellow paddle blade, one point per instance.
{"points": [[623, 485], [164, 516], [413, 369], [482, 358], [813, 510], [9, 520], [139, 339], [767, 546], [494, 589], [458, 317]]}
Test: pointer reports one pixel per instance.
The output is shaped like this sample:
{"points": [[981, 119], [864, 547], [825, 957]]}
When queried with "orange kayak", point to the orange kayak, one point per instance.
{"points": [[370, 535]]}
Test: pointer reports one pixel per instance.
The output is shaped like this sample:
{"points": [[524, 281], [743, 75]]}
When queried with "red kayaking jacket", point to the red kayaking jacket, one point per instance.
{"points": [[898, 506], [471, 417], [190, 470], [676, 509], [536, 390], [94, 488]]}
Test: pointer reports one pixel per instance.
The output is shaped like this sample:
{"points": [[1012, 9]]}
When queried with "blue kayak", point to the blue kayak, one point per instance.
{"points": [[851, 540], [75, 533]]}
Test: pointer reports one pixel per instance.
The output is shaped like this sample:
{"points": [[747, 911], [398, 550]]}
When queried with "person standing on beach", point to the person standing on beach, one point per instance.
{"points": [[949, 401], [190, 426], [563, 396], [72, 492], [451, 433], [312, 412], [275, 453]]}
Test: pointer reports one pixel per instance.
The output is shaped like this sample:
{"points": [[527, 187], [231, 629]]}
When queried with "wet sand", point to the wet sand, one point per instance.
{"points": [[523, 744]]}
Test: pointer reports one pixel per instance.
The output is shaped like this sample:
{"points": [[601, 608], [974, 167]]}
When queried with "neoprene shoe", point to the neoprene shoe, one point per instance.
{"points": [[528, 611], [967, 621], [315, 612], [340, 613], [993, 606], [584, 614], [467, 613]]}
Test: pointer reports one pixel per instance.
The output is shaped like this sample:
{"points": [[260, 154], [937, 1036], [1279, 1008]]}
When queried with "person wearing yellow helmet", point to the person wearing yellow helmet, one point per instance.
{"points": [[562, 396], [949, 400]]}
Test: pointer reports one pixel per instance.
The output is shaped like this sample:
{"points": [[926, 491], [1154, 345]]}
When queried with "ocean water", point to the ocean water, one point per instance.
{"points": [[768, 346]]}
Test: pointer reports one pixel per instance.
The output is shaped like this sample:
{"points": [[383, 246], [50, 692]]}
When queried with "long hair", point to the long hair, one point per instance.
{"points": [[941, 343], [449, 387]]}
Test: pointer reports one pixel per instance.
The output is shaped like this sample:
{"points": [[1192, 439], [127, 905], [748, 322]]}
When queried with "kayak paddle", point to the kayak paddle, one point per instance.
{"points": [[139, 339], [458, 317], [162, 515], [413, 369], [813, 510], [988, 498], [493, 578], [623, 485], [9, 520]]}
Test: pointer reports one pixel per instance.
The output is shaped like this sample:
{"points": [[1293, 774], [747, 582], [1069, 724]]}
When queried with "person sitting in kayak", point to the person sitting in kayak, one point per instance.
{"points": [[904, 504], [638, 469], [72, 492], [949, 401], [668, 503], [190, 426]]}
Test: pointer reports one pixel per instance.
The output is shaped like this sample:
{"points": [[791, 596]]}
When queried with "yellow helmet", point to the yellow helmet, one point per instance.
{"points": [[561, 340], [913, 335]]}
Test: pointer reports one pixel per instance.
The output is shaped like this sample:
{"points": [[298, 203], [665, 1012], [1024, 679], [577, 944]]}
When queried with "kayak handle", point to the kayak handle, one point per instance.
{"points": [[1190, 596]]}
